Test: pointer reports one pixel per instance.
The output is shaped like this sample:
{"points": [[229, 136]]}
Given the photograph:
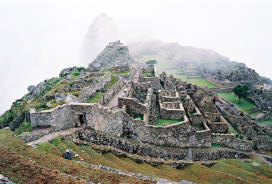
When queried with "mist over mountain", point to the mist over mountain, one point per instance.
{"points": [[101, 31], [175, 54]]}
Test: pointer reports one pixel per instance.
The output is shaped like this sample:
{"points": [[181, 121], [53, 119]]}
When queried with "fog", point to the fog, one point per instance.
{"points": [[39, 38]]}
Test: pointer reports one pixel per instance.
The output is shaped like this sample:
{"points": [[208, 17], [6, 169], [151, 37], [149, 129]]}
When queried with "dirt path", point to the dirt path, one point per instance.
{"points": [[52, 135]]}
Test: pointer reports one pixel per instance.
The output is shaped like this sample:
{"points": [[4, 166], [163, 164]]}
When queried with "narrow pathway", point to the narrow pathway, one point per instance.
{"points": [[52, 135], [114, 101]]}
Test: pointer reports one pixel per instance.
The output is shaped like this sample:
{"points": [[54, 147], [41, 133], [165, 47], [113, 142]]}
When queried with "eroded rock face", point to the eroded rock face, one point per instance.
{"points": [[35, 90]]}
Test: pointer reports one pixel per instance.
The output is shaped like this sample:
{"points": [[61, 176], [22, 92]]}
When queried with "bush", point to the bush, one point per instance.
{"points": [[81, 68], [71, 84], [151, 62], [75, 74]]}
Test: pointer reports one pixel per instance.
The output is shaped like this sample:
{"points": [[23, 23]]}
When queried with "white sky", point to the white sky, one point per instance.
{"points": [[38, 38]]}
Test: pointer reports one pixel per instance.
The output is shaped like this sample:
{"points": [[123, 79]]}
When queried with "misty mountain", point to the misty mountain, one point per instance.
{"points": [[101, 31]]}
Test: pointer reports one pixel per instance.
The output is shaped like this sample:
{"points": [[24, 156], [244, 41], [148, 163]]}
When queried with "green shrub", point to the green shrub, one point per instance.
{"points": [[71, 84], [75, 74], [81, 68]]}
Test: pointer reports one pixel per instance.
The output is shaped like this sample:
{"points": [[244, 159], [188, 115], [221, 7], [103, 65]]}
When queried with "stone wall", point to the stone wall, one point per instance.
{"points": [[98, 84], [105, 99], [59, 118], [148, 150], [229, 140], [220, 126], [172, 110]]}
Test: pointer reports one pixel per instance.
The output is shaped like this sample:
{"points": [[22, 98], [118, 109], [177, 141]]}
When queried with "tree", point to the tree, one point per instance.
{"points": [[242, 91], [151, 62]]}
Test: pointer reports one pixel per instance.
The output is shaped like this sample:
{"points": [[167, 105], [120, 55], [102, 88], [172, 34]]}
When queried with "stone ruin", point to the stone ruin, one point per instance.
{"points": [[147, 98]]}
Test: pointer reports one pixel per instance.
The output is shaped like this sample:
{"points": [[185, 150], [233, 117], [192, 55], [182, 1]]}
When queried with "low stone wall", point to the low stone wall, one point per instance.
{"points": [[263, 143], [34, 135], [133, 106], [229, 140], [98, 84], [134, 147], [105, 99]]}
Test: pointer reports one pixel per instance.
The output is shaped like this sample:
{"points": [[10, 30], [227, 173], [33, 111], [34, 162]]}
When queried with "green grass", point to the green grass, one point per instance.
{"points": [[200, 126], [244, 106], [95, 98], [47, 157], [162, 122], [138, 116], [196, 80], [266, 122], [148, 74], [112, 81], [24, 127], [253, 115], [217, 145]]}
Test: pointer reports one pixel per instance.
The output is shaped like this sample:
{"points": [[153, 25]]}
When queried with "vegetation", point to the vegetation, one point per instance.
{"points": [[24, 127], [151, 62], [148, 74], [74, 74], [195, 80], [15, 164], [95, 98], [242, 91], [244, 106], [162, 122], [138, 116], [266, 122]]}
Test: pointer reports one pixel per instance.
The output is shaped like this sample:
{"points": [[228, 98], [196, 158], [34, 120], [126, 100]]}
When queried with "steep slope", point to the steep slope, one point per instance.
{"points": [[115, 54], [25, 164], [101, 31]]}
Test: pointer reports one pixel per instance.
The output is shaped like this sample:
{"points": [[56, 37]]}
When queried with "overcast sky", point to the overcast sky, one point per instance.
{"points": [[39, 38]]}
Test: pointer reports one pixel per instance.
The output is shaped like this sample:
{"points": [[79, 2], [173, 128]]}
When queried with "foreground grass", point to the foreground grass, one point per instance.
{"points": [[244, 106], [24, 164], [46, 163]]}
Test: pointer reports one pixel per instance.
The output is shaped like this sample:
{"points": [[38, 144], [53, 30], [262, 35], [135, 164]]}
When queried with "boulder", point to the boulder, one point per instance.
{"points": [[59, 97], [70, 99], [68, 71], [94, 67]]}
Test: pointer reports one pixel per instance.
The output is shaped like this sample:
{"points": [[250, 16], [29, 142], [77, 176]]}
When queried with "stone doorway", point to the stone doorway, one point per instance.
{"points": [[81, 120]]}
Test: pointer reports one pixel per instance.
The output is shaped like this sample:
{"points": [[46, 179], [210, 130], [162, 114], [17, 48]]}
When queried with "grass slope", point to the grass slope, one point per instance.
{"points": [[244, 106], [47, 158]]}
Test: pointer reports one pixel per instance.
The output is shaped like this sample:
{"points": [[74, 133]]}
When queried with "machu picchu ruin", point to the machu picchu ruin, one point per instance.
{"points": [[119, 114]]}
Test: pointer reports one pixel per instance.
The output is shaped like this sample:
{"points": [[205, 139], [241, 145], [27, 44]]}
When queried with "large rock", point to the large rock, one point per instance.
{"points": [[68, 71], [59, 97], [70, 99]]}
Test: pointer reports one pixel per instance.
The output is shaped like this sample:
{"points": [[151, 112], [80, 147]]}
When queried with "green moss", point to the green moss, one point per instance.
{"points": [[71, 84]]}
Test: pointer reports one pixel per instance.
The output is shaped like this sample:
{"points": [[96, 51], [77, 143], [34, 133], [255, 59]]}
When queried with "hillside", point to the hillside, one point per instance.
{"points": [[127, 122]]}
